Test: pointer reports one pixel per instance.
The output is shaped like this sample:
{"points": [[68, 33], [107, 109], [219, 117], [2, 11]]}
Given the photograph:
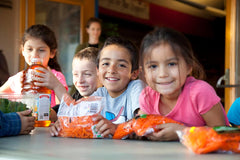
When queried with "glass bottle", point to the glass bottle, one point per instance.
{"points": [[43, 95]]}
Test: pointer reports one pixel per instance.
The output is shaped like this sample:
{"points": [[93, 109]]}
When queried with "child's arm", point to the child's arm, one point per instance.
{"points": [[140, 112], [5, 88], [167, 132], [27, 123], [12, 124], [215, 116], [48, 79], [104, 126]]}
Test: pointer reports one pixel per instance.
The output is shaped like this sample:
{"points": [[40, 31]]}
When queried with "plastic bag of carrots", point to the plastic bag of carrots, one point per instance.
{"points": [[75, 117], [141, 125], [202, 140]]}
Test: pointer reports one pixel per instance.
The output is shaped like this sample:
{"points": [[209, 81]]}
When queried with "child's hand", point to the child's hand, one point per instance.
{"points": [[21, 76], [167, 132], [46, 79], [55, 129], [104, 126], [49, 80], [27, 122]]}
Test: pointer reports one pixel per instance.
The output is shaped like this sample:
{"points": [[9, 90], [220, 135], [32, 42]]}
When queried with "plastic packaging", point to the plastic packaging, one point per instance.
{"points": [[43, 107], [141, 125], [202, 140], [76, 118], [16, 102]]}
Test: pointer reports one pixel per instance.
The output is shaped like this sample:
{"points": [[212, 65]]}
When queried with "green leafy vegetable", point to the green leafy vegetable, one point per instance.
{"points": [[7, 106]]}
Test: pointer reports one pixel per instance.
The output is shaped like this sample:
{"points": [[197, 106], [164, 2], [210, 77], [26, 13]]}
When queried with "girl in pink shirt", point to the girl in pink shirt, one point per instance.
{"points": [[174, 87], [38, 41]]}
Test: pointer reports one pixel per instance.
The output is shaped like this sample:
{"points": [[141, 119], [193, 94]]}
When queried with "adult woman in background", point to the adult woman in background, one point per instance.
{"points": [[94, 29]]}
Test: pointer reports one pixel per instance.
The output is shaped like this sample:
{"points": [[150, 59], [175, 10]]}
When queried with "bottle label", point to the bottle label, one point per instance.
{"points": [[43, 107]]}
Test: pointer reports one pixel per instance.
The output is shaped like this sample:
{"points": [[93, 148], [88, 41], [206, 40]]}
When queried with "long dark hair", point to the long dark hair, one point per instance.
{"points": [[179, 44], [47, 36]]}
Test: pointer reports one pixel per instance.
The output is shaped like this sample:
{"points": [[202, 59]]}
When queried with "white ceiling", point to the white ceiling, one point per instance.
{"points": [[214, 7]]}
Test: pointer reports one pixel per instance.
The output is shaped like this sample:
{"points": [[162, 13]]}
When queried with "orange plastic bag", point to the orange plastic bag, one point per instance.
{"points": [[76, 118], [202, 140], [78, 127], [141, 125]]}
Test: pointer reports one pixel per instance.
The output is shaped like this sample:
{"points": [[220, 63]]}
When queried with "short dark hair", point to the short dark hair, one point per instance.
{"points": [[131, 47]]}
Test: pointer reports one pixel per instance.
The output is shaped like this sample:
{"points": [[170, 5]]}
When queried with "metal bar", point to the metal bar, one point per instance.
{"points": [[228, 86], [196, 5], [216, 11]]}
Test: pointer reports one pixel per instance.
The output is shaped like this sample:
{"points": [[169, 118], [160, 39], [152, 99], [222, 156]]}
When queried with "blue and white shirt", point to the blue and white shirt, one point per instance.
{"points": [[121, 108]]}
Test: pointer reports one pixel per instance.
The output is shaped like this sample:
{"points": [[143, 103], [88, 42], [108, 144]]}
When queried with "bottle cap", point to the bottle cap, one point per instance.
{"points": [[36, 60]]}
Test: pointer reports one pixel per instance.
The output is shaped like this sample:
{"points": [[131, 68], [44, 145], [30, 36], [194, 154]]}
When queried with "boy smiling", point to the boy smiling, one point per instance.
{"points": [[118, 70]]}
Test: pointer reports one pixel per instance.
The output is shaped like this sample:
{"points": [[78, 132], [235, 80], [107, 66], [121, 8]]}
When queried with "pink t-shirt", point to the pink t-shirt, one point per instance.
{"points": [[15, 84], [196, 98]]}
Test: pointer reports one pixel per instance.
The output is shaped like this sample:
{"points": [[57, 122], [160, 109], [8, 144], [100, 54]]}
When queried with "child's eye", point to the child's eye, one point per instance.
{"points": [[29, 49], [87, 74], [152, 66], [172, 64], [75, 74], [41, 50], [122, 65], [105, 64]]}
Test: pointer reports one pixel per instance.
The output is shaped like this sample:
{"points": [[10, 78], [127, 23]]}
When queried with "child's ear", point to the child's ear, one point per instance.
{"points": [[97, 71], [140, 69], [190, 70], [135, 74], [53, 53], [87, 30], [22, 50]]}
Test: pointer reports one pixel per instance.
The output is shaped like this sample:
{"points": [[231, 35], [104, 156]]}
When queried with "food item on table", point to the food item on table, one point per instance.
{"points": [[7, 106], [141, 125], [78, 127], [123, 130], [76, 117], [43, 107], [202, 140]]}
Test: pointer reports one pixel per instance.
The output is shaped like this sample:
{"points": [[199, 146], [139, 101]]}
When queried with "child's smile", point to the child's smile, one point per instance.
{"points": [[163, 85], [115, 69], [112, 79], [84, 76], [164, 71]]}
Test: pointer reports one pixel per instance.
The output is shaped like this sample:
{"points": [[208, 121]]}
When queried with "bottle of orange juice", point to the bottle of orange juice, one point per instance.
{"points": [[43, 107]]}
